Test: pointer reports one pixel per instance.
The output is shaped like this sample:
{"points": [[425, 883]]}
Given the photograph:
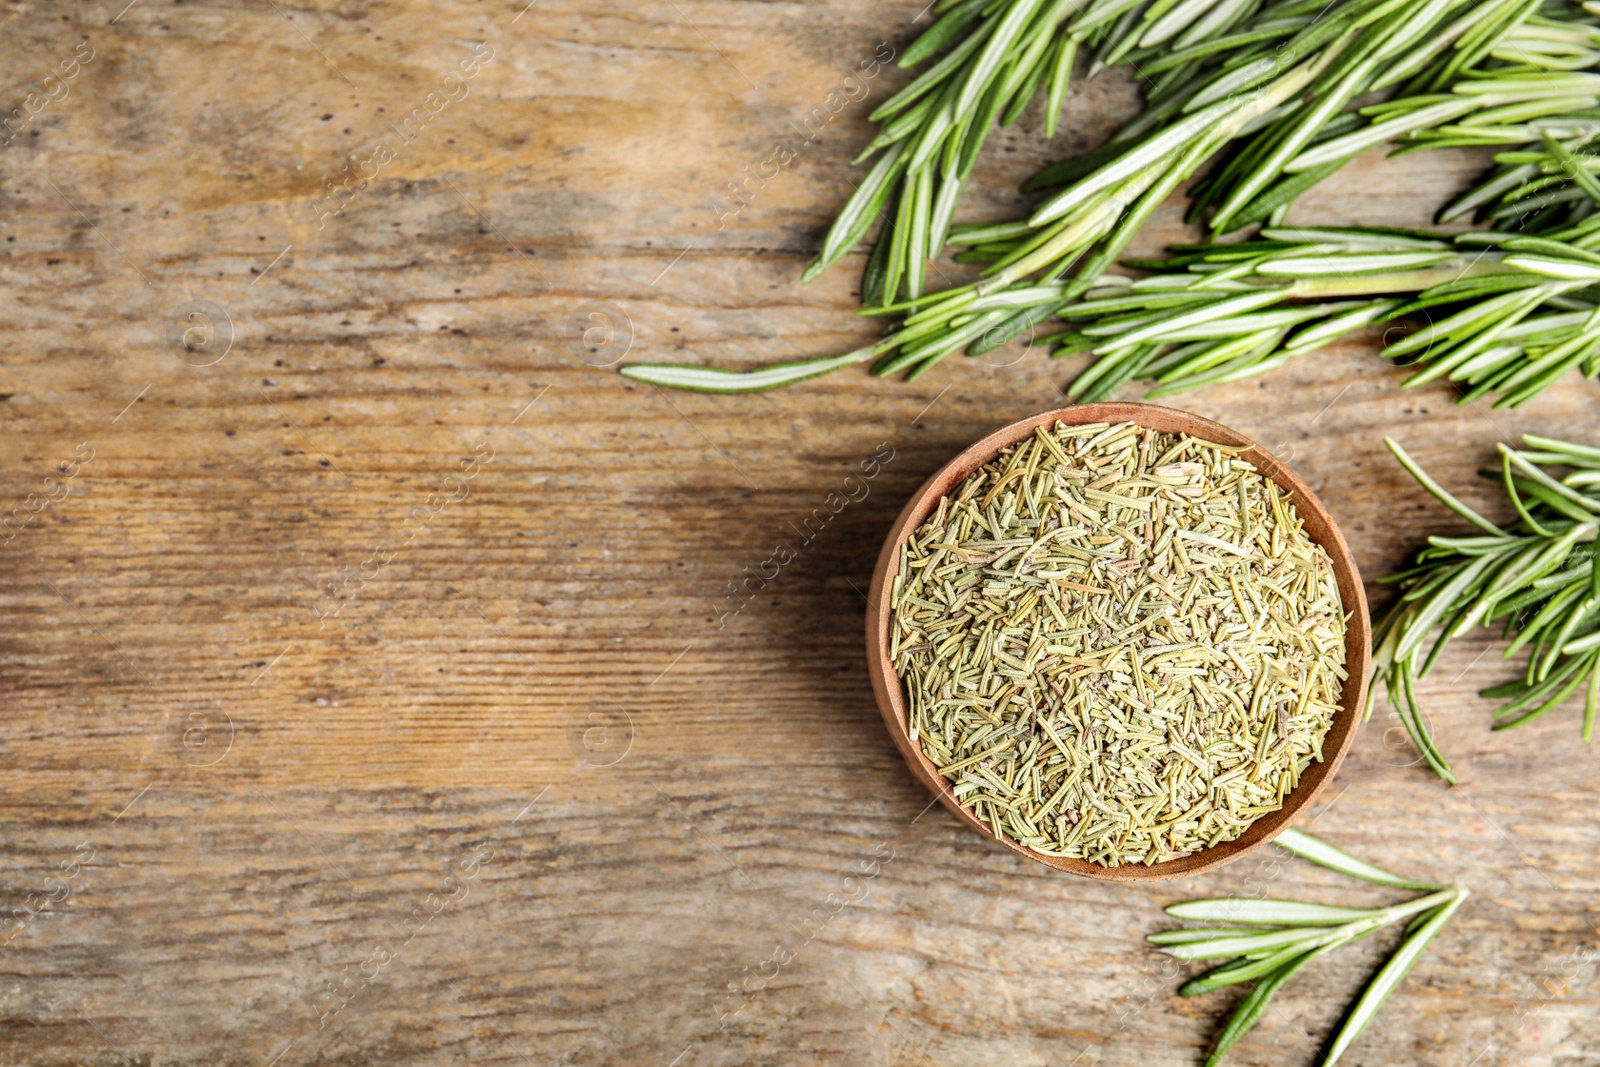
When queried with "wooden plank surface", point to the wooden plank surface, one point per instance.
{"points": [[326, 753]]}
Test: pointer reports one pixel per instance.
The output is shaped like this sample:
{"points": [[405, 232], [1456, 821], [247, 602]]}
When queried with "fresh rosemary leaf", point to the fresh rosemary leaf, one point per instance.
{"points": [[860, 212], [1244, 970], [712, 380], [936, 37], [1387, 979], [1437, 491], [1251, 1008], [1244, 945], [1266, 912], [1318, 851], [1193, 934]]}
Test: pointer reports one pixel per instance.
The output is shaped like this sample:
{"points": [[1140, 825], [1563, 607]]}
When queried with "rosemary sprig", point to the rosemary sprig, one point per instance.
{"points": [[1284, 122], [1494, 312], [1498, 75], [1547, 184], [1270, 940], [1538, 574], [1293, 60], [994, 59]]}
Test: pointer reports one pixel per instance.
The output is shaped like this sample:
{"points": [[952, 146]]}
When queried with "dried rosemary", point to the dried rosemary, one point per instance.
{"points": [[1118, 645]]}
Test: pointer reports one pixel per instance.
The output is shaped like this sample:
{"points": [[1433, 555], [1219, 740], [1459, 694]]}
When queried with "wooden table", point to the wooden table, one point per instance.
{"points": [[371, 692]]}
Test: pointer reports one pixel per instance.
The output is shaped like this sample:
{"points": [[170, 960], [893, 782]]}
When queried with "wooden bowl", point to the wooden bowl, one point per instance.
{"points": [[1318, 525]]}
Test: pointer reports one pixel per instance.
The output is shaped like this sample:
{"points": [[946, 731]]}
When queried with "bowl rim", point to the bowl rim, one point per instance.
{"points": [[1318, 524]]}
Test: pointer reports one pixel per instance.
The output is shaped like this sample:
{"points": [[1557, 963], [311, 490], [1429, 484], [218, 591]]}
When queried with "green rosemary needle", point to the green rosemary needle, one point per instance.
{"points": [[1537, 574], [1268, 941]]}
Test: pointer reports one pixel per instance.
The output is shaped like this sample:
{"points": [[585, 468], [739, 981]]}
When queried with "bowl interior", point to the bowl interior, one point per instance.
{"points": [[1319, 527]]}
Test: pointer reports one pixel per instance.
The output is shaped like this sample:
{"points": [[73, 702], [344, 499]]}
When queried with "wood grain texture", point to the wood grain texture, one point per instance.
{"points": [[524, 799]]}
